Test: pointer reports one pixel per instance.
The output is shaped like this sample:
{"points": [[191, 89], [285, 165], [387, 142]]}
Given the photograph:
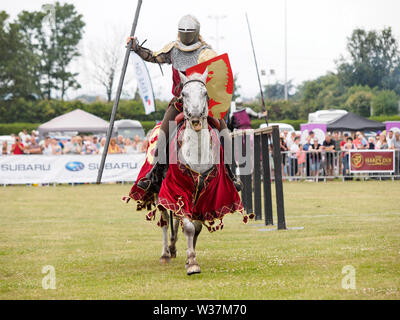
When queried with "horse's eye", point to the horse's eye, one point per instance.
{"points": [[183, 94]]}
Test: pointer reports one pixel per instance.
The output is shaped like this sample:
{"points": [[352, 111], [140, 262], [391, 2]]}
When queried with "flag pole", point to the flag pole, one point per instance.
{"points": [[118, 94]]}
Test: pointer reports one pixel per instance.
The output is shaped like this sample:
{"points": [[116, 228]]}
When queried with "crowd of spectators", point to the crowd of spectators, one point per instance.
{"points": [[25, 143], [311, 157]]}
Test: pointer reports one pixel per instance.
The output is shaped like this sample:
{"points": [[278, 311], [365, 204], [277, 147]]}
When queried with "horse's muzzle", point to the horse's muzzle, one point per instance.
{"points": [[196, 123]]}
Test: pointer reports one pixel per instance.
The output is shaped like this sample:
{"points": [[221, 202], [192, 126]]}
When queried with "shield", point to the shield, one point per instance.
{"points": [[219, 84]]}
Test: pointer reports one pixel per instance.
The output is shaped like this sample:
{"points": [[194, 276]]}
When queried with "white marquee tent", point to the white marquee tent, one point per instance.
{"points": [[77, 120]]}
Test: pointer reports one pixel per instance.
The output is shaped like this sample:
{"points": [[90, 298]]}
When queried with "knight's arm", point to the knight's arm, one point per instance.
{"points": [[159, 57], [254, 114]]}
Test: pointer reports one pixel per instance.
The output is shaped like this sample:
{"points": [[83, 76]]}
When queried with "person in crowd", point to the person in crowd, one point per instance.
{"points": [[27, 140], [137, 143], [113, 148], [35, 135], [396, 141], [33, 147], [338, 138], [329, 147], [47, 149], [285, 135], [23, 135], [120, 142], [284, 149], [371, 143], [382, 143], [293, 158], [357, 142], [129, 149], [55, 148], [96, 143], [306, 148], [315, 148], [290, 139], [4, 148], [311, 135], [74, 146], [346, 155], [88, 146], [390, 138], [102, 144], [301, 160]]}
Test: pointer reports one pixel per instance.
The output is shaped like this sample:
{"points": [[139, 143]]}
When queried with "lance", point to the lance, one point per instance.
{"points": [[118, 94], [264, 109]]}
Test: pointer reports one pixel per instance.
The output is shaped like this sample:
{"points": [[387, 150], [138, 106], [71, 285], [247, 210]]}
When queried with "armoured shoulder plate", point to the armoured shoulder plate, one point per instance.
{"points": [[206, 54], [166, 49]]}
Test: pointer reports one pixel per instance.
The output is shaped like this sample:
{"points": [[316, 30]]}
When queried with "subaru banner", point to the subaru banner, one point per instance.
{"points": [[27, 169]]}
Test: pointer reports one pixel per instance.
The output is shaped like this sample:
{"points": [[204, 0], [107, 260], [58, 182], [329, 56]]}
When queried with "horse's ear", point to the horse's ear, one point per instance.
{"points": [[204, 76], [184, 79]]}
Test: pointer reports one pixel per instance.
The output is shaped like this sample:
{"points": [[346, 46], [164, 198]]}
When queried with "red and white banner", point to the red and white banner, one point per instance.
{"points": [[372, 160]]}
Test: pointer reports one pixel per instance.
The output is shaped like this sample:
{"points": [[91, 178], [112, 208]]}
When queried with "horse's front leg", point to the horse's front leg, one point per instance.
{"points": [[165, 254], [189, 229], [197, 226], [174, 238]]}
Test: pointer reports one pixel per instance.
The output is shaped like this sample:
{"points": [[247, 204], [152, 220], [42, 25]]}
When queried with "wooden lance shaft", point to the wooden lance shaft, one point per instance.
{"points": [[118, 95], [264, 109]]}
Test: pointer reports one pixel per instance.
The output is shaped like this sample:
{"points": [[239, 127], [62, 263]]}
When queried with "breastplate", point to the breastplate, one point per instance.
{"points": [[182, 60]]}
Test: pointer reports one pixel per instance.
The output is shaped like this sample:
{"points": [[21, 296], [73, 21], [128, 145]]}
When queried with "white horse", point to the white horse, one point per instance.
{"points": [[199, 152]]}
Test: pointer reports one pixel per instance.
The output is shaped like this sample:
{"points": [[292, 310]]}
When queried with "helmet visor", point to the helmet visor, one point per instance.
{"points": [[188, 37]]}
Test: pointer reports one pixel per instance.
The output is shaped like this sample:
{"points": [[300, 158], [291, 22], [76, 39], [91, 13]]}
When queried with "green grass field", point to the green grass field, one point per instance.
{"points": [[101, 248]]}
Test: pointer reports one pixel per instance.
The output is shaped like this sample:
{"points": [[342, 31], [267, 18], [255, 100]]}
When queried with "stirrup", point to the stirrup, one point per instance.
{"points": [[153, 179], [236, 181]]}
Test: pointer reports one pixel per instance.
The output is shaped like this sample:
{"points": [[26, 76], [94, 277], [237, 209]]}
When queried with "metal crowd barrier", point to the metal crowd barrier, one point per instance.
{"points": [[328, 165]]}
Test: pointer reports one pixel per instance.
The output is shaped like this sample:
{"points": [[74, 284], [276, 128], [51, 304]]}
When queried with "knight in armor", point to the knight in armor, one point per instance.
{"points": [[187, 51], [240, 117]]}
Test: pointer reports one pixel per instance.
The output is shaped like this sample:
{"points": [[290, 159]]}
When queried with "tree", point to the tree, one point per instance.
{"points": [[236, 87], [374, 60], [17, 78], [360, 103], [385, 103], [106, 59], [53, 35], [277, 91]]}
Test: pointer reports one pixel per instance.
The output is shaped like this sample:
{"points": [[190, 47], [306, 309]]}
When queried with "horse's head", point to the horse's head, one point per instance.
{"points": [[195, 99]]}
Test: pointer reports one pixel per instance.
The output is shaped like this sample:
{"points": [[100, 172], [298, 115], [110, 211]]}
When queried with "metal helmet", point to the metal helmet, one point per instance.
{"points": [[189, 30]]}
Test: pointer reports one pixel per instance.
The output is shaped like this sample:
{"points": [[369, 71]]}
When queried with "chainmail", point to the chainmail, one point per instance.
{"points": [[182, 60]]}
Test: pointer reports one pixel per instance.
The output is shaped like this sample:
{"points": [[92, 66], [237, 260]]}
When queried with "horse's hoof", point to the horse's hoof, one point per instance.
{"points": [[173, 252], [165, 259], [193, 269]]}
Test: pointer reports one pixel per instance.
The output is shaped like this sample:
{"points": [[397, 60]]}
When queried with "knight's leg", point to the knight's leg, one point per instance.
{"points": [[154, 177], [165, 254], [174, 239], [227, 147], [191, 264]]}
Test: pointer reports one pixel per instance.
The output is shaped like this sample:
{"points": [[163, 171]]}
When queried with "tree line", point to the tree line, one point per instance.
{"points": [[366, 81], [37, 48]]}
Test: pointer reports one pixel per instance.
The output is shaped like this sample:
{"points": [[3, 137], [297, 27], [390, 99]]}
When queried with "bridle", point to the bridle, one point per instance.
{"points": [[180, 99], [194, 80]]}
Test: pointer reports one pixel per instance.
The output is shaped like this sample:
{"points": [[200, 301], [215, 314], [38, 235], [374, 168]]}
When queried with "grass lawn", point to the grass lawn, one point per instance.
{"points": [[101, 248]]}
